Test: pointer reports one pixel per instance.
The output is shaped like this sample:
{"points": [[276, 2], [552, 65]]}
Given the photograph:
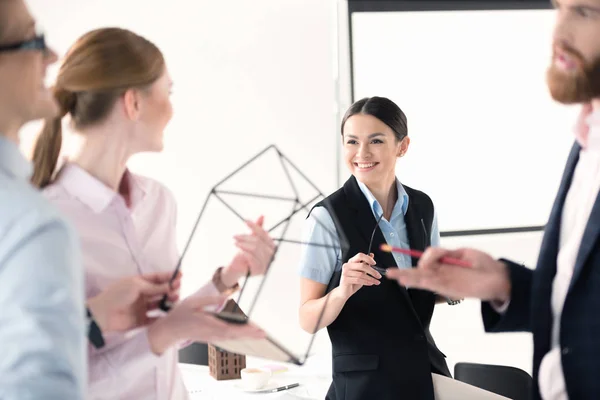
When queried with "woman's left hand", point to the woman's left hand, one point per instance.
{"points": [[255, 255]]}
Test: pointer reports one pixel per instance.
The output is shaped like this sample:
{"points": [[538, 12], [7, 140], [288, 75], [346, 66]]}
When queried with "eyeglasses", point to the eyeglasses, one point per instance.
{"points": [[375, 267], [37, 43], [373, 233]]}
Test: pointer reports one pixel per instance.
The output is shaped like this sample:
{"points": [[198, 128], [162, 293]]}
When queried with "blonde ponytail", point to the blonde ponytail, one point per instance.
{"points": [[96, 70], [49, 142]]}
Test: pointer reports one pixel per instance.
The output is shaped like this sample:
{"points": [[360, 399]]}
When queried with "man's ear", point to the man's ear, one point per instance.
{"points": [[132, 104]]}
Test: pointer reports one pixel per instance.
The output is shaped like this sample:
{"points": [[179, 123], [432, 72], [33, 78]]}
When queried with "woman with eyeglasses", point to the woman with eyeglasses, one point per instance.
{"points": [[41, 301], [41, 281], [115, 87], [382, 348]]}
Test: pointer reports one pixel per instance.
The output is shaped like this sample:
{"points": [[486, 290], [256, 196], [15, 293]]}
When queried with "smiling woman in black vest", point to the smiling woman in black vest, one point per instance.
{"points": [[382, 348]]}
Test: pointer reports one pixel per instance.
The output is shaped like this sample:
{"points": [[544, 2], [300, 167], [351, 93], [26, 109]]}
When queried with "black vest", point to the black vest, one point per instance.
{"points": [[382, 348]]}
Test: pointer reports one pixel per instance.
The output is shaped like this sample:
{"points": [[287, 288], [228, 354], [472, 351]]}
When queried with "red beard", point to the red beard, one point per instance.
{"points": [[578, 86]]}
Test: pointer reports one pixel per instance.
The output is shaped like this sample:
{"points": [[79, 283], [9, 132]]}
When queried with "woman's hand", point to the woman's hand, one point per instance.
{"points": [[255, 254], [354, 274], [124, 304], [189, 320]]}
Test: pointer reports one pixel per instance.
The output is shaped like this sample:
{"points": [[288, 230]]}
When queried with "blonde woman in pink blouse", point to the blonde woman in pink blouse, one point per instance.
{"points": [[116, 88]]}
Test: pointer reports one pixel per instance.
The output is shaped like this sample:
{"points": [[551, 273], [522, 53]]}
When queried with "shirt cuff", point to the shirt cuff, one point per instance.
{"points": [[500, 307]]}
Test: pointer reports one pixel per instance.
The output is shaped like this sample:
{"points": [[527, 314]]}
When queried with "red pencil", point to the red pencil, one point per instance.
{"points": [[416, 253]]}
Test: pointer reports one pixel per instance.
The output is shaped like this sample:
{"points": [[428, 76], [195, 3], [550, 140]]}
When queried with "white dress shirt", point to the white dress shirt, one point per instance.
{"points": [[42, 316], [581, 197]]}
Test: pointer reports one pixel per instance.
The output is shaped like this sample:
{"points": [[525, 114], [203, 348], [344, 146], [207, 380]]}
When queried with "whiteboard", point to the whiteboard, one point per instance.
{"points": [[487, 142]]}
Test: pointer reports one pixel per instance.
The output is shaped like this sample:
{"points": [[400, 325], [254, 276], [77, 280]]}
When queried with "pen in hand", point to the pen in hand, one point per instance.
{"points": [[416, 253]]}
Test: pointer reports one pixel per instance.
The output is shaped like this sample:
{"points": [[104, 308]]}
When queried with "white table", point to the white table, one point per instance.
{"points": [[314, 379], [314, 383]]}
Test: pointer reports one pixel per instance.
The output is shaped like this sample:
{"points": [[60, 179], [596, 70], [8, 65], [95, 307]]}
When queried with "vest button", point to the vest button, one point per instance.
{"points": [[566, 350]]}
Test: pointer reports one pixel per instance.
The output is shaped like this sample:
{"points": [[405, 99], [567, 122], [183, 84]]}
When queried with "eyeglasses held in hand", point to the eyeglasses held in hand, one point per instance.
{"points": [[375, 267]]}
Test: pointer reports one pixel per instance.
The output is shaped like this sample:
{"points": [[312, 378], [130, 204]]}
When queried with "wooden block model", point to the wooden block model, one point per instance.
{"points": [[222, 364]]}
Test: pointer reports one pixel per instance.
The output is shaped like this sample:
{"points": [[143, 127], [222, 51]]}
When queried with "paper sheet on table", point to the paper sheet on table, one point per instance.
{"points": [[450, 389]]}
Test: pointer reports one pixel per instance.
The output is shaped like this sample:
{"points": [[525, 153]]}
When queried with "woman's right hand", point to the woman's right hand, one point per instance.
{"points": [[354, 274], [189, 320]]}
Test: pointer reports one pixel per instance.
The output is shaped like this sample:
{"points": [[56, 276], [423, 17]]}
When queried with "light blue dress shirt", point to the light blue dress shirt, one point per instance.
{"points": [[42, 313], [318, 263]]}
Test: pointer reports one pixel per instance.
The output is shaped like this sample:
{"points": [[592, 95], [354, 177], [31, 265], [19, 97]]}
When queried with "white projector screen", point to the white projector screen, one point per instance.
{"points": [[487, 142]]}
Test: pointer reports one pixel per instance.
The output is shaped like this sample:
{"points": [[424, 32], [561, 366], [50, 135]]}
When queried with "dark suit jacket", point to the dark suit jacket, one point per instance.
{"points": [[530, 308]]}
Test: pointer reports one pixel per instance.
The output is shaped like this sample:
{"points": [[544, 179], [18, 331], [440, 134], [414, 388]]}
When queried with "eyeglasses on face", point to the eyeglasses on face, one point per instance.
{"points": [[36, 43]]}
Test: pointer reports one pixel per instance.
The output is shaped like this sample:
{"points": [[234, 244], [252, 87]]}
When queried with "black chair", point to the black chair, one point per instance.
{"points": [[195, 353], [510, 382]]}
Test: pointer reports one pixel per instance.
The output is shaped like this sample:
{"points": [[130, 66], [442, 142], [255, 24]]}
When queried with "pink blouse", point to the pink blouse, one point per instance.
{"points": [[119, 241]]}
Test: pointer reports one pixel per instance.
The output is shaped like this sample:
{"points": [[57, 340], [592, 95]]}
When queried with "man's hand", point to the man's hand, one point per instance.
{"points": [[486, 279], [124, 304], [256, 252]]}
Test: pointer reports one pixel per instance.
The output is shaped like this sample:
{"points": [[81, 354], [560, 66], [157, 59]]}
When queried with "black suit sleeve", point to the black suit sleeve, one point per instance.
{"points": [[517, 317]]}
